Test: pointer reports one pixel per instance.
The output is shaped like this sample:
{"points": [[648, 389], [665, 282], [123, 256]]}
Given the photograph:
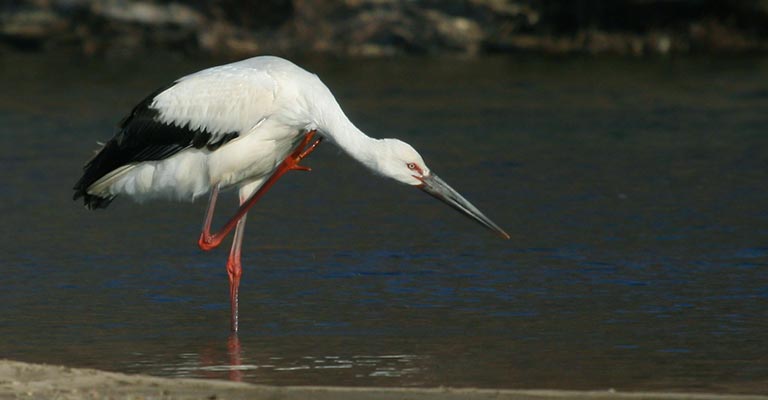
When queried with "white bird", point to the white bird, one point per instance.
{"points": [[241, 125]]}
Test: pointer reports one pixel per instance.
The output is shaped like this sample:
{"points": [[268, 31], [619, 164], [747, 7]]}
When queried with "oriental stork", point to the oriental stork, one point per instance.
{"points": [[241, 125]]}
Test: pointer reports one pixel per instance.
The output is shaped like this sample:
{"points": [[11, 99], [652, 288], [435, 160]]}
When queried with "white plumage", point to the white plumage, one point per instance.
{"points": [[243, 124], [260, 98]]}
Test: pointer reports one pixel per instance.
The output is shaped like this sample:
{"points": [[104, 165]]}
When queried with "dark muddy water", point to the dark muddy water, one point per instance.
{"points": [[634, 191]]}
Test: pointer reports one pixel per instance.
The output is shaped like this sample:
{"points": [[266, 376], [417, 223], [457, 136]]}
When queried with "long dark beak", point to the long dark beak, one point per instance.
{"points": [[440, 190]]}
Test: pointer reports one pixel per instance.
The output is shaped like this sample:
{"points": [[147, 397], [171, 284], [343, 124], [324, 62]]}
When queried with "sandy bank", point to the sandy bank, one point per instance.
{"points": [[23, 381]]}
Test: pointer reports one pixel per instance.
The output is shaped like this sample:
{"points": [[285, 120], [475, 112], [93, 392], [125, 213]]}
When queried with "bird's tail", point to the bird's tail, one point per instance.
{"points": [[92, 201], [92, 172]]}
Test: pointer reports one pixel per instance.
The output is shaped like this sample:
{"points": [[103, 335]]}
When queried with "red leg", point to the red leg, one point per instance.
{"points": [[235, 271], [209, 210], [234, 266], [210, 240]]}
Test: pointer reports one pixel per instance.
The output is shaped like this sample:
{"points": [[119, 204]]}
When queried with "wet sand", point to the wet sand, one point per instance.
{"points": [[35, 381]]}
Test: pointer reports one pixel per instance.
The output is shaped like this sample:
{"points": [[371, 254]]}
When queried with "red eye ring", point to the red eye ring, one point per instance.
{"points": [[411, 166]]}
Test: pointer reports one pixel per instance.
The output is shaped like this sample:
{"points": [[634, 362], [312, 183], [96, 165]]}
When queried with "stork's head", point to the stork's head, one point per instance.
{"points": [[403, 163]]}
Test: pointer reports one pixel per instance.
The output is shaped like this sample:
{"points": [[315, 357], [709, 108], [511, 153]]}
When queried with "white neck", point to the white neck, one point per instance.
{"points": [[338, 128]]}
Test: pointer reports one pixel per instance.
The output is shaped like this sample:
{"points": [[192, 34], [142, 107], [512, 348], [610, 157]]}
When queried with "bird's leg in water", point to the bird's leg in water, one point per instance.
{"points": [[234, 266], [210, 240]]}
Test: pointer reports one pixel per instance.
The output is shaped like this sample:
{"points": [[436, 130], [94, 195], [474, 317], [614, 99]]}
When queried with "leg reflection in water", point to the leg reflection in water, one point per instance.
{"points": [[234, 352], [213, 362]]}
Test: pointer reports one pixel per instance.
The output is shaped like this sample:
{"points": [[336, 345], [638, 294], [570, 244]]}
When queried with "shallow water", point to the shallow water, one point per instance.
{"points": [[634, 191]]}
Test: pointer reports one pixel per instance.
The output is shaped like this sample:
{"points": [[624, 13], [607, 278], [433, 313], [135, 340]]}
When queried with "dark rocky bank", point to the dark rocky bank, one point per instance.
{"points": [[386, 27]]}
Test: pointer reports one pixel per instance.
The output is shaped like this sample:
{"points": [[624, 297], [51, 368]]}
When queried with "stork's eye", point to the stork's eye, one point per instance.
{"points": [[411, 166]]}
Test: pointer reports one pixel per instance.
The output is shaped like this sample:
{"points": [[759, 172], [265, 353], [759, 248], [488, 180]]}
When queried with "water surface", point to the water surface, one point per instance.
{"points": [[634, 191]]}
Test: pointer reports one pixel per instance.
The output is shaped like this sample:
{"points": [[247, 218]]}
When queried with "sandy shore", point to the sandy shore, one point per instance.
{"points": [[34, 381]]}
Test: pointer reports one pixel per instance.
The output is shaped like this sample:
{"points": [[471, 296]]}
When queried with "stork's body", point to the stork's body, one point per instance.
{"points": [[227, 125], [240, 125]]}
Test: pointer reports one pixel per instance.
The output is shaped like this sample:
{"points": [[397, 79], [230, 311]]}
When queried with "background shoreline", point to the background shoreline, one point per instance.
{"points": [[376, 28]]}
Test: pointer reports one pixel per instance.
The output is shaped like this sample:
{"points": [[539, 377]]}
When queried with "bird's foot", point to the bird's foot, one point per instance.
{"points": [[208, 241], [302, 150]]}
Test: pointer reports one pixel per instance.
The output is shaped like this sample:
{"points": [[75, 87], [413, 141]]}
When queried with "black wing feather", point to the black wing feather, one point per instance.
{"points": [[141, 136]]}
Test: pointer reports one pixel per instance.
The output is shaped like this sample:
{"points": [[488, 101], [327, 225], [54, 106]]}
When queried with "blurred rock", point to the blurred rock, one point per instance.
{"points": [[30, 27], [386, 27], [145, 13]]}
